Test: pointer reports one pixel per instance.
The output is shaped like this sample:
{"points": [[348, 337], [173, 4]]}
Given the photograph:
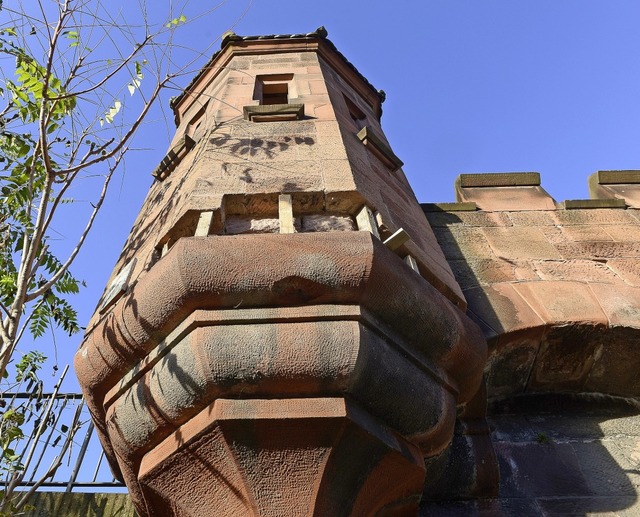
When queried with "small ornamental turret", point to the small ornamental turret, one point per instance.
{"points": [[282, 334]]}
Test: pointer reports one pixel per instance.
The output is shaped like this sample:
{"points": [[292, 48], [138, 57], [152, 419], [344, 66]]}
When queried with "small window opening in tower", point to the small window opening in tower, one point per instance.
{"points": [[357, 115], [276, 93], [195, 124], [273, 89]]}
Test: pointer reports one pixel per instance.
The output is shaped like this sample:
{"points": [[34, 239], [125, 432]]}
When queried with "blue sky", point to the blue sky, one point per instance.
{"points": [[472, 86]]}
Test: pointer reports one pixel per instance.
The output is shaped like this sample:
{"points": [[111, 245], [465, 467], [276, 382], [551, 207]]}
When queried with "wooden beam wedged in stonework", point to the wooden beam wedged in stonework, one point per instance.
{"points": [[367, 222], [285, 213], [397, 239]]}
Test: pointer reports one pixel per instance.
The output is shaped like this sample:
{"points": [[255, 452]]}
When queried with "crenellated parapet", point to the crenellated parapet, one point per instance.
{"points": [[554, 285]]}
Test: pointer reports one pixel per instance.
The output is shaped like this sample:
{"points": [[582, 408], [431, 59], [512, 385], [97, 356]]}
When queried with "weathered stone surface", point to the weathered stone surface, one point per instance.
{"points": [[283, 458], [532, 218], [520, 243], [561, 455], [572, 204], [555, 295], [575, 270], [507, 198], [622, 185], [236, 225], [621, 305], [628, 269], [326, 223], [469, 219], [562, 301], [499, 179], [282, 363], [588, 233], [502, 308], [269, 351], [272, 356], [596, 216]]}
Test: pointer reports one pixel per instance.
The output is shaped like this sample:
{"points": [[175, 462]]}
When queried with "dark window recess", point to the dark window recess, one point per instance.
{"points": [[196, 122], [272, 94], [357, 115], [275, 93], [273, 89]]}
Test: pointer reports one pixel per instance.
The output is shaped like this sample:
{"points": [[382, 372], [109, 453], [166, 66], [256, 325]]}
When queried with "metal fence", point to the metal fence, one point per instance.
{"points": [[59, 450]]}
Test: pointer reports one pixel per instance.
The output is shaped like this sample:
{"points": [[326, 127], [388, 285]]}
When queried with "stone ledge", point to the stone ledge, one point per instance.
{"points": [[467, 206], [623, 185], [500, 179], [618, 177], [573, 204], [380, 149], [273, 112], [173, 157]]}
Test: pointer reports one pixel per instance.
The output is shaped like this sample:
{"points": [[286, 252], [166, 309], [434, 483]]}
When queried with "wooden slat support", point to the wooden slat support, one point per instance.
{"points": [[411, 262], [204, 223], [380, 222], [285, 213], [397, 239], [165, 248], [367, 222]]}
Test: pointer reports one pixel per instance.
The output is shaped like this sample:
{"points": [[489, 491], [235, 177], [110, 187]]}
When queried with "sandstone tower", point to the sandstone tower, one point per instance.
{"points": [[282, 334], [289, 332]]}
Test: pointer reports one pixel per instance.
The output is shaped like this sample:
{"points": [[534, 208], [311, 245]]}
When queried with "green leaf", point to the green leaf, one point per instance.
{"points": [[113, 111], [176, 21]]}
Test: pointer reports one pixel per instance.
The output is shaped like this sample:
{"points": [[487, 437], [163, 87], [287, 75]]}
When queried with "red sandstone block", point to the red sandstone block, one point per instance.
{"points": [[520, 243], [627, 269], [471, 272], [464, 245], [593, 216], [554, 234], [502, 308], [537, 218], [586, 233], [577, 270], [615, 368], [468, 218], [599, 250], [507, 198], [567, 354], [624, 233], [562, 301], [317, 87], [621, 303]]}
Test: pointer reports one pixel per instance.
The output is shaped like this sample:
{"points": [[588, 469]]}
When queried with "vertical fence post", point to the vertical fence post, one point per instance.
{"points": [[81, 454]]}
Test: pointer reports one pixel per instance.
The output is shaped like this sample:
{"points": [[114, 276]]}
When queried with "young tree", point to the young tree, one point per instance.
{"points": [[77, 82]]}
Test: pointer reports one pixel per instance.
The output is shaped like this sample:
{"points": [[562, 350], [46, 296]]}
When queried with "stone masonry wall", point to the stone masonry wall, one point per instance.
{"points": [[557, 292]]}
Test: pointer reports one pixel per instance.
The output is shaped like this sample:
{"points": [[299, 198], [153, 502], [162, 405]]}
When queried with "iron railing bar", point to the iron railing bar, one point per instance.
{"points": [[58, 410], [26, 395], [77, 484], [83, 450], [95, 474]]}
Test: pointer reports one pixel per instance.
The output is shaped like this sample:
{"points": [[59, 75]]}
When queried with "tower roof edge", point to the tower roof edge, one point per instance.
{"points": [[230, 38]]}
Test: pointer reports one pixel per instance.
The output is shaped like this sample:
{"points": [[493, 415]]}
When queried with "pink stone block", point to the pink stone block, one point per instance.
{"points": [[562, 301]]}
